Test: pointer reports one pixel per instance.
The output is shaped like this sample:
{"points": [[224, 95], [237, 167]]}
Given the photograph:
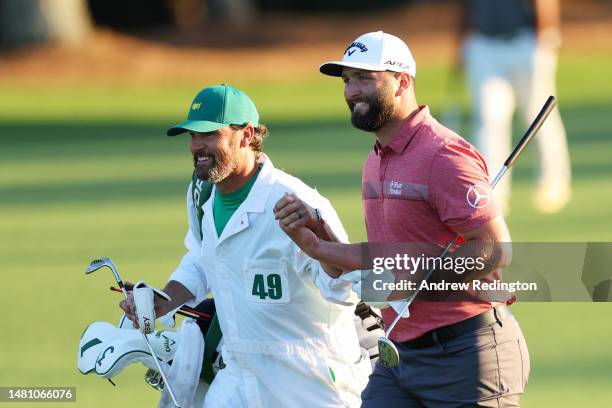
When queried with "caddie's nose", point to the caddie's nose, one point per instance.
{"points": [[199, 141]]}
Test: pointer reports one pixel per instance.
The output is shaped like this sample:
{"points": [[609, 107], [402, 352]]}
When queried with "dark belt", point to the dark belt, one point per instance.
{"points": [[445, 334], [507, 35]]}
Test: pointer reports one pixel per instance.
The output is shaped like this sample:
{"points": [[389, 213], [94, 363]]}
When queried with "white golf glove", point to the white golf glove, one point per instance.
{"points": [[144, 305], [356, 277]]}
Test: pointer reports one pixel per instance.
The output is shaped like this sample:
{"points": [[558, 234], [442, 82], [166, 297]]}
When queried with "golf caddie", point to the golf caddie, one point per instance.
{"points": [[288, 333], [423, 185]]}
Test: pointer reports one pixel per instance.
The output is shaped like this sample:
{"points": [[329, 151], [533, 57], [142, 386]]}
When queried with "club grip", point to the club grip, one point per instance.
{"points": [[550, 104]]}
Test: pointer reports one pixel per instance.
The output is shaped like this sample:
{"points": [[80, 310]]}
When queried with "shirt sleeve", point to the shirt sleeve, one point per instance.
{"points": [[189, 272], [459, 188]]}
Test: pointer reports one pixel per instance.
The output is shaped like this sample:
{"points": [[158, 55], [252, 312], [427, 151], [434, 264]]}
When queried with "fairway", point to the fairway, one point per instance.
{"points": [[86, 171]]}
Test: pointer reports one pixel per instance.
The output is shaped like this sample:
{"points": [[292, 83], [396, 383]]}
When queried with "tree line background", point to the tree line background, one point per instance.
{"points": [[27, 22]]}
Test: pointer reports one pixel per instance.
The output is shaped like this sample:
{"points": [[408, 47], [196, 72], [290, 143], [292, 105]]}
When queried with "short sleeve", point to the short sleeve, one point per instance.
{"points": [[459, 188]]}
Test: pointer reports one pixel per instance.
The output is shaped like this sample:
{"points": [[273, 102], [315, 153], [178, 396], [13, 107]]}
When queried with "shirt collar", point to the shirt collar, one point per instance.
{"points": [[261, 189], [401, 140]]}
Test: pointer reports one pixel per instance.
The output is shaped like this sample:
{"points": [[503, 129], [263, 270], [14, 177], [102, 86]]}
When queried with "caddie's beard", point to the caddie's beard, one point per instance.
{"points": [[380, 109], [224, 162]]}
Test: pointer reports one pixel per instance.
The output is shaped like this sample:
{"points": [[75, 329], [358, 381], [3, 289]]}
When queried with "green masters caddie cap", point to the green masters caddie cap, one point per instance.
{"points": [[216, 107]]}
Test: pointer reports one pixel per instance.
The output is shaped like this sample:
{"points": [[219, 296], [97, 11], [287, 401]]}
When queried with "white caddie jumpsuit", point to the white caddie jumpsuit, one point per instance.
{"points": [[289, 339]]}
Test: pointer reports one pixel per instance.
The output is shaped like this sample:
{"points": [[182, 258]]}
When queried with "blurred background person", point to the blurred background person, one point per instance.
{"points": [[510, 58]]}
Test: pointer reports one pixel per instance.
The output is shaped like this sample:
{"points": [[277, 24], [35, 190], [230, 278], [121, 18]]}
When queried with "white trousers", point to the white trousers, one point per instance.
{"points": [[501, 75], [298, 381]]}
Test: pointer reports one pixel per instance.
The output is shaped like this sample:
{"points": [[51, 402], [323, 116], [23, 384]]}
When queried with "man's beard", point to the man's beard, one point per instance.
{"points": [[380, 111], [224, 164]]}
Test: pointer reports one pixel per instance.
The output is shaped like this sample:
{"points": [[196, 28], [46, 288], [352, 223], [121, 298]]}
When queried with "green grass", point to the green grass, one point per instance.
{"points": [[86, 171]]}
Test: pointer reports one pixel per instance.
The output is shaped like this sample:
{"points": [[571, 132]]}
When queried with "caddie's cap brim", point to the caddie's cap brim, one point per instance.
{"points": [[194, 126]]}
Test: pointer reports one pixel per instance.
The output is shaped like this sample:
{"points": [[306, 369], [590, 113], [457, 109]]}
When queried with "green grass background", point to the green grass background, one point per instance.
{"points": [[86, 171]]}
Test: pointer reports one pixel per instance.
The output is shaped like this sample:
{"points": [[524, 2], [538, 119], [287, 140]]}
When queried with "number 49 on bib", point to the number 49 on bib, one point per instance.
{"points": [[271, 286], [266, 282]]}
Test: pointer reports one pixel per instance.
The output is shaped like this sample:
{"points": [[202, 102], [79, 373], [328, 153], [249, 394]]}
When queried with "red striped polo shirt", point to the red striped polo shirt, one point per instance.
{"points": [[415, 190]]}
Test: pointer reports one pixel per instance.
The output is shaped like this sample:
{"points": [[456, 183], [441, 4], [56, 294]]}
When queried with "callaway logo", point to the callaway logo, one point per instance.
{"points": [[355, 44], [478, 196], [168, 343], [196, 106]]}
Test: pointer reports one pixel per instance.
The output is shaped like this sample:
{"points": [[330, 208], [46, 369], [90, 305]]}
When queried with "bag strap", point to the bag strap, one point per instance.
{"points": [[200, 192]]}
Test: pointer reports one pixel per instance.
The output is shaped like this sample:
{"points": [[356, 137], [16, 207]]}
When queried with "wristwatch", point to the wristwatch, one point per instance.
{"points": [[320, 219]]}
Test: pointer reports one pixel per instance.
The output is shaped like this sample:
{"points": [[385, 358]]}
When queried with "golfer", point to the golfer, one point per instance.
{"points": [[422, 183]]}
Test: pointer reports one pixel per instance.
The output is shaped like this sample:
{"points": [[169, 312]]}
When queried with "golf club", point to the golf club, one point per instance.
{"points": [[107, 262], [389, 355], [183, 311]]}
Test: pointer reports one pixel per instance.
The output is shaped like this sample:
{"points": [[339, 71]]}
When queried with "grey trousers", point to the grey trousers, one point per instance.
{"points": [[485, 368]]}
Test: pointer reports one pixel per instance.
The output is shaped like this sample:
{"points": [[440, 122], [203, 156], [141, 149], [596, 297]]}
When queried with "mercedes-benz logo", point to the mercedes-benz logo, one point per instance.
{"points": [[478, 196]]}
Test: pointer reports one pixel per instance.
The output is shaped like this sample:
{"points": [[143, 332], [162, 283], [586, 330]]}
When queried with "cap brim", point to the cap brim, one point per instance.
{"points": [[194, 126], [334, 68]]}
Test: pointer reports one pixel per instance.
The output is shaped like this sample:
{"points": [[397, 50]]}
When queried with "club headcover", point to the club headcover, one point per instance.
{"points": [[144, 305], [92, 343], [106, 350]]}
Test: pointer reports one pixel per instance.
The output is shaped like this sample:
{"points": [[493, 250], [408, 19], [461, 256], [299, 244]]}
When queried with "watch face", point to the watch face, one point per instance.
{"points": [[319, 217]]}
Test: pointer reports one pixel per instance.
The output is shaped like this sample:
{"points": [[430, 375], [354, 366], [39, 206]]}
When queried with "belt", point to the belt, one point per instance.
{"points": [[507, 35], [445, 334]]}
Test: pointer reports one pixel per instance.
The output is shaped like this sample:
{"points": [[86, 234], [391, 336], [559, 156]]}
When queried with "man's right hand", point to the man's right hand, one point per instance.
{"points": [[304, 238], [174, 289], [127, 305]]}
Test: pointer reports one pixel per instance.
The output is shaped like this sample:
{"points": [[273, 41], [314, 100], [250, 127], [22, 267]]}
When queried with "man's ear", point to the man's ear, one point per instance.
{"points": [[247, 134], [403, 80]]}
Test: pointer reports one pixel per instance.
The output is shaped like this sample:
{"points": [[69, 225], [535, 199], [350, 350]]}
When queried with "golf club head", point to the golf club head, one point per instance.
{"points": [[99, 263], [388, 354], [154, 379]]}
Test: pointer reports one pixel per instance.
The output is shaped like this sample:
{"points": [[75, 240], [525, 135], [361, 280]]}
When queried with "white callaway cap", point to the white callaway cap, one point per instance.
{"points": [[376, 51]]}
